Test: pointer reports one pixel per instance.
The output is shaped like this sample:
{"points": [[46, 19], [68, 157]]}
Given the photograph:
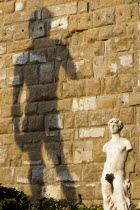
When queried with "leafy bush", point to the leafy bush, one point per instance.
{"points": [[63, 204], [12, 199], [52, 204]]}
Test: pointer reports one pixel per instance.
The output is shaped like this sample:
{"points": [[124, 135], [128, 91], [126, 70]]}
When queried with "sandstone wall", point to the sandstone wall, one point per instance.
{"points": [[66, 68]]}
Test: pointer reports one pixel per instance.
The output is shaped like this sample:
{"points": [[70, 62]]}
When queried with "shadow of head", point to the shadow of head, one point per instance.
{"points": [[40, 23]]}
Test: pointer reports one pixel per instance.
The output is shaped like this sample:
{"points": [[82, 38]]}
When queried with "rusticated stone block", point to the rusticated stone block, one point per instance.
{"points": [[3, 48], [44, 92], [23, 175], [83, 68], [127, 13], [71, 174], [20, 124], [127, 82], [83, 152], [92, 35], [93, 87], [52, 153], [91, 132], [3, 155], [64, 105], [100, 117], [7, 180], [89, 51], [6, 126], [81, 119], [108, 32], [94, 5], [54, 121], [66, 153], [99, 156], [112, 85], [59, 24], [64, 9], [48, 174], [107, 102], [22, 16], [126, 61], [87, 191], [46, 74], [20, 58], [135, 190], [92, 172], [134, 98], [69, 120], [35, 123], [28, 189], [46, 107], [37, 30], [54, 191], [30, 75], [20, 31], [110, 3], [73, 89], [80, 22], [19, 6], [103, 17], [82, 6], [66, 135], [127, 115], [20, 45], [37, 174], [99, 66], [30, 108], [85, 104]]}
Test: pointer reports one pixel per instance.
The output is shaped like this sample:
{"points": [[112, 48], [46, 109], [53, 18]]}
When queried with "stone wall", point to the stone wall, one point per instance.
{"points": [[66, 68]]}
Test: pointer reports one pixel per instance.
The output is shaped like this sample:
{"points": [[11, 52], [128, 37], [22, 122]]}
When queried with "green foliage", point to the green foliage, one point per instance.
{"points": [[92, 207], [52, 204], [66, 204], [12, 199]]}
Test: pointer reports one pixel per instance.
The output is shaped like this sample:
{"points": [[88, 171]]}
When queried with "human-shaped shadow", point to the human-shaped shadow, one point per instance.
{"points": [[35, 111]]}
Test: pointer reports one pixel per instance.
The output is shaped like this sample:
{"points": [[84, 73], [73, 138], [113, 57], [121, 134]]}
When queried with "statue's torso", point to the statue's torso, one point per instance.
{"points": [[116, 156]]}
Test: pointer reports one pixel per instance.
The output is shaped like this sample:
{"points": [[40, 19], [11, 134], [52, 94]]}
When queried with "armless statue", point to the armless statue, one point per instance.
{"points": [[114, 185]]}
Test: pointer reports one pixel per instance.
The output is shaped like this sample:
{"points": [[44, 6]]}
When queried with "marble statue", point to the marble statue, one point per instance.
{"points": [[114, 185]]}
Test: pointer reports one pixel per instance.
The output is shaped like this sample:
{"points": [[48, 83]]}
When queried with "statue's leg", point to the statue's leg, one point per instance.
{"points": [[106, 193], [121, 200]]}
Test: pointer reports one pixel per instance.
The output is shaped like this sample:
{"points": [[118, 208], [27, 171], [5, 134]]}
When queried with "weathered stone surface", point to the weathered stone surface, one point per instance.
{"points": [[81, 119], [47, 73], [83, 153], [85, 103], [20, 59], [82, 6], [127, 13], [66, 68], [64, 9], [92, 172], [23, 175], [106, 102], [111, 31], [7, 180], [91, 132], [103, 17], [60, 23], [54, 191], [54, 121], [2, 48], [134, 98], [80, 22]]}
